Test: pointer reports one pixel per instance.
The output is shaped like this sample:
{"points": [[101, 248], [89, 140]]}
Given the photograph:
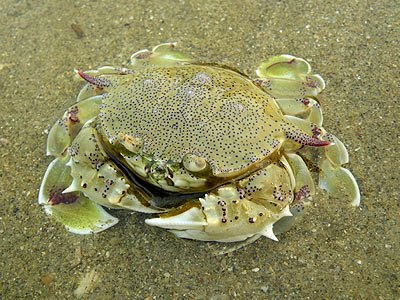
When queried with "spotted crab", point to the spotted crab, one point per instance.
{"points": [[215, 154]]}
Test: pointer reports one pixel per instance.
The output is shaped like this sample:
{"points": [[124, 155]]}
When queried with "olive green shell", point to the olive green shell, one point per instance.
{"points": [[210, 111]]}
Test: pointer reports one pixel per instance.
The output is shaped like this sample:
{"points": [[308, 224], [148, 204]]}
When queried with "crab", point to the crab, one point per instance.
{"points": [[213, 154]]}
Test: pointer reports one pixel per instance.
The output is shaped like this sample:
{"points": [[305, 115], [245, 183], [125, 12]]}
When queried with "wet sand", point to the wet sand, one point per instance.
{"points": [[335, 252]]}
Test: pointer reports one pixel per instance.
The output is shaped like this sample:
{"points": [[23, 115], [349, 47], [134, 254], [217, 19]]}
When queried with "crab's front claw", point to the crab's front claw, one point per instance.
{"points": [[288, 76], [186, 217], [223, 216], [76, 212]]}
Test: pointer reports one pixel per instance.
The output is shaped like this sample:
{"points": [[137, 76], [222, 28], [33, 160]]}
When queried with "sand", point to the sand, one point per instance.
{"points": [[335, 252]]}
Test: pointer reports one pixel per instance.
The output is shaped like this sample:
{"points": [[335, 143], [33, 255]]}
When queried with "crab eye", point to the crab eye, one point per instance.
{"points": [[194, 163]]}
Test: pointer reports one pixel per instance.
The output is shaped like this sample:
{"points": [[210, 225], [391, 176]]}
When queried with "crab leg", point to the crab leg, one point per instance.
{"points": [[300, 137], [339, 182], [288, 76], [164, 54], [282, 87], [290, 81], [66, 128], [337, 153], [333, 178], [304, 189], [90, 90], [85, 172], [302, 106], [73, 209]]}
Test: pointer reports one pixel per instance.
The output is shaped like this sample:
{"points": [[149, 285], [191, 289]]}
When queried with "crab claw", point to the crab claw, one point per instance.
{"points": [[191, 219], [99, 82], [221, 216]]}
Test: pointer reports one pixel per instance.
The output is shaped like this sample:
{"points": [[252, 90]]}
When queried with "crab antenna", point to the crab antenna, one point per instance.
{"points": [[306, 140], [97, 81]]}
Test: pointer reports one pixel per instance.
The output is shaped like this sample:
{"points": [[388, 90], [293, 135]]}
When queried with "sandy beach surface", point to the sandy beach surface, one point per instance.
{"points": [[334, 252]]}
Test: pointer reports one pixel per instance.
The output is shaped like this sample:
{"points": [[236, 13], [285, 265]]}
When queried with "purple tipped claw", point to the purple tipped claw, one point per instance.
{"points": [[306, 140], [100, 82], [316, 142]]}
